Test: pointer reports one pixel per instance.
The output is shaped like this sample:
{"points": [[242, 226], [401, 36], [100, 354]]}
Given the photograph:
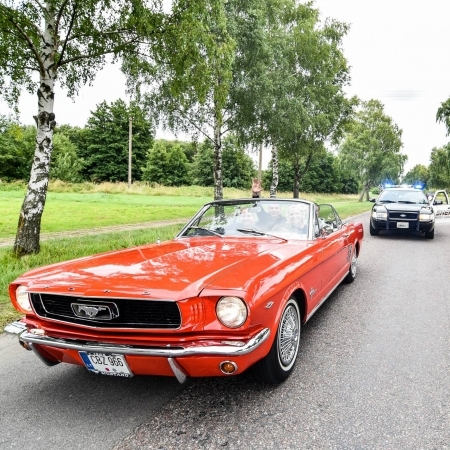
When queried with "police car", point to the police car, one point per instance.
{"points": [[405, 209]]}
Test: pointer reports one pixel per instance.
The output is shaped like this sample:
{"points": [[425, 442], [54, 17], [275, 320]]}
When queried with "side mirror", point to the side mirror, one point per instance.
{"points": [[373, 200]]}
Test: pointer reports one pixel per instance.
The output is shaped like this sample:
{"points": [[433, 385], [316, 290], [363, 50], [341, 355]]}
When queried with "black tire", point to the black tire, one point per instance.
{"points": [[350, 278], [279, 362], [373, 231], [429, 234]]}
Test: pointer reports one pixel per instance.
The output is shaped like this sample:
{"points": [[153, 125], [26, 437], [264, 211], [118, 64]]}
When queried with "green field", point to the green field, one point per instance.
{"points": [[83, 207], [72, 211]]}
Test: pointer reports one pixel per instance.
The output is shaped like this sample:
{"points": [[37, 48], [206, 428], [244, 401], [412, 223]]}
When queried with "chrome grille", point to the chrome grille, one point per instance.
{"points": [[403, 216], [407, 216], [132, 313]]}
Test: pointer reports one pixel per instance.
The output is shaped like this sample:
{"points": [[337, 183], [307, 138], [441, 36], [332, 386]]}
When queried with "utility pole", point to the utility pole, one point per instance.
{"points": [[130, 144]]}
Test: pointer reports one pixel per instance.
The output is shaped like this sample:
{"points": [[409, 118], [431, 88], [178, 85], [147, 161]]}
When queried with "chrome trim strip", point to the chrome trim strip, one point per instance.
{"points": [[329, 293], [168, 352], [15, 328], [110, 299]]}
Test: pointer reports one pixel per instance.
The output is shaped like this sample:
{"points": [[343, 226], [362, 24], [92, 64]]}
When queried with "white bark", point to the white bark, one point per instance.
{"points": [[28, 231], [275, 176], [218, 176]]}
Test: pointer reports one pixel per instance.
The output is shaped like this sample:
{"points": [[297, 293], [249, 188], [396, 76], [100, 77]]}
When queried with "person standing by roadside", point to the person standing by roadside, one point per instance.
{"points": [[256, 188]]}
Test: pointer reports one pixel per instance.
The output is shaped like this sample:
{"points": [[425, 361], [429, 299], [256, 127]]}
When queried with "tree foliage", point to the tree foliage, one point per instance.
{"points": [[66, 164], [370, 149], [443, 114], [418, 174], [439, 168], [70, 40], [294, 98], [16, 149], [238, 166], [106, 142], [323, 176], [166, 165]]}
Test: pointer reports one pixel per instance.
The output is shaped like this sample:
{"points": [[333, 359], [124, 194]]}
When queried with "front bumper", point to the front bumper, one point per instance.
{"points": [[34, 339], [419, 226]]}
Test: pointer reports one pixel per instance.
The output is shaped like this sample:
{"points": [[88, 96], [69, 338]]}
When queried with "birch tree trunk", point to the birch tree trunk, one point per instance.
{"points": [[218, 175], [29, 227], [275, 176]]}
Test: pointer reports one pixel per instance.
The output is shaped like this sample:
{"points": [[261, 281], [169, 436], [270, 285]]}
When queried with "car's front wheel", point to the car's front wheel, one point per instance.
{"points": [[279, 362], [352, 271], [429, 234]]}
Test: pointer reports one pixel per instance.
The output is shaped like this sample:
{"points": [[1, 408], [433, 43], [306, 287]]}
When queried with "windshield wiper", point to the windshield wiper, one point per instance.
{"points": [[388, 201], [259, 233]]}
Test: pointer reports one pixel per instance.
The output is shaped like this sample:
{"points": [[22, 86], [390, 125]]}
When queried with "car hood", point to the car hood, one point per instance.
{"points": [[173, 270], [402, 206]]}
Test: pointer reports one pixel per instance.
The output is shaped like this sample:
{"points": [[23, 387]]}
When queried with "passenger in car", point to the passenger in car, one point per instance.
{"points": [[320, 223], [268, 220], [297, 216]]}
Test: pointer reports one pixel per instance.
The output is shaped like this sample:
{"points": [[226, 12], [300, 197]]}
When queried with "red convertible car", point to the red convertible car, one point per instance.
{"points": [[229, 292]]}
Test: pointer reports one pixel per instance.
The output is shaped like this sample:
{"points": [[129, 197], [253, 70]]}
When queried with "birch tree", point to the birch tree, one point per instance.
{"points": [[291, 97], [238, 28], [43, 42], [370, 148]]}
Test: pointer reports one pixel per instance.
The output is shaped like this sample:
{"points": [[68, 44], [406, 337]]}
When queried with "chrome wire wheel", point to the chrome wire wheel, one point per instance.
{"points": [[353, 265], [351, 275], [289, 335]]}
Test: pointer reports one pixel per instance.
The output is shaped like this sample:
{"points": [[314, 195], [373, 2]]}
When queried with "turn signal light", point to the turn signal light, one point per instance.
{"points": [[228, 367], [24, 345]]}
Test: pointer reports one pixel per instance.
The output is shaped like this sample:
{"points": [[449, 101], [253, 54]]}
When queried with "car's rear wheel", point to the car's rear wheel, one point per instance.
{"points": [[279, 362], [373, 231], [429, 234], [352, 271]]}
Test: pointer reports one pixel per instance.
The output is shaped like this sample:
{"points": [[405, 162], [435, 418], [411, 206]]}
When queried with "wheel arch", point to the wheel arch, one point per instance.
{"points": [[357, 248], [300, 297]]}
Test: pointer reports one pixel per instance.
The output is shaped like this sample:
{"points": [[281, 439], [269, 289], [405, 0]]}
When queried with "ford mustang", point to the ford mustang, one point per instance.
{"points": [[229, 292]]}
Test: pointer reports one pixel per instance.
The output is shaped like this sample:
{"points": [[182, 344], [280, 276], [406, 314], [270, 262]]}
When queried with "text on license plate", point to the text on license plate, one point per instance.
{"points": [[106, 364], [402, 225]]}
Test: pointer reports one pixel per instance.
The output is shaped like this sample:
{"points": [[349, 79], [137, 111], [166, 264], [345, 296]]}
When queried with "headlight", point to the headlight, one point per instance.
{"points": [[23, 299], [231, 311], [426, 217], [380, 213]]}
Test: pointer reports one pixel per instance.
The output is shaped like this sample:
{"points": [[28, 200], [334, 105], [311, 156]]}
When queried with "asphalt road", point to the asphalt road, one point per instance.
{"points": [[373, 373]]}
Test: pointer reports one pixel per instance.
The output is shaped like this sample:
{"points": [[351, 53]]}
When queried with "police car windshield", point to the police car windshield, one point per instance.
{"points": [[403, 196]]}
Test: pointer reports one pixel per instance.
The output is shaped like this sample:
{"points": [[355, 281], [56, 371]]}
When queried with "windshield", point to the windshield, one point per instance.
{"points": [[402, 196], [283, 219]]}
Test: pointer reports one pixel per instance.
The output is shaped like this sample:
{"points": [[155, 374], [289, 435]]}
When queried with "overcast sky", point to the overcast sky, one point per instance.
{"points": [[398, 51]]}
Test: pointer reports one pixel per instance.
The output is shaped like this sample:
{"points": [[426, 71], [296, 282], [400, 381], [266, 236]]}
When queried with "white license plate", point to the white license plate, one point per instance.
{"points": [[106, 364], [402, 225]]}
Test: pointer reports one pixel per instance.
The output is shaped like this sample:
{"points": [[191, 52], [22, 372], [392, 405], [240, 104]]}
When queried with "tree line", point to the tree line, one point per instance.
{"points": [[99, 152]]}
